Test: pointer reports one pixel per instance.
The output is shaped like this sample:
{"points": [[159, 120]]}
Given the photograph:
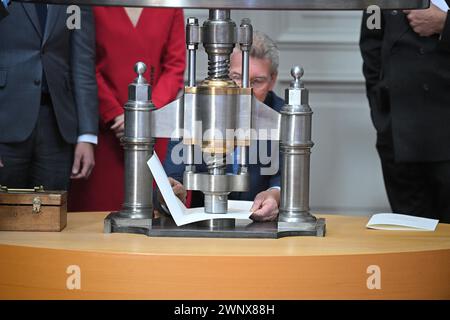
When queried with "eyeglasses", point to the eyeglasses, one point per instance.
{"points": [[256, 83]]}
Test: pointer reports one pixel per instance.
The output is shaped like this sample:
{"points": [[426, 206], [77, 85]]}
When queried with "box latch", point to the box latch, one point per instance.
{"points": [[37, 205], [37, 202]]}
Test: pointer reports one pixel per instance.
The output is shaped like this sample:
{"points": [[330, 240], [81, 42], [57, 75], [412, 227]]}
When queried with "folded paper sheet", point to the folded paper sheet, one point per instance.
{"points": [[182, 215], [393, 221]]}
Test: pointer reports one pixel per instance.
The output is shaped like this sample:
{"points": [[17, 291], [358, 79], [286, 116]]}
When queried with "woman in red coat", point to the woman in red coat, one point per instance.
{"points": [[124, 37]]}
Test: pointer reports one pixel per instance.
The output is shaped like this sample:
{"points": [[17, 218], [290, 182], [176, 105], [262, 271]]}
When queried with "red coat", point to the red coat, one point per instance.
{"points": [[159, 41]]}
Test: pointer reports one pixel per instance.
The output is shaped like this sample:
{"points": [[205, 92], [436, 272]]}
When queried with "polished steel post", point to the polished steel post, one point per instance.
{"points": [[138, 145], [295, 149]]}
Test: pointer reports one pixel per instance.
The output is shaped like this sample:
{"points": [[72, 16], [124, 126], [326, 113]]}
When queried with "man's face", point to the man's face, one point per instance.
{"points": [[261, 78]]}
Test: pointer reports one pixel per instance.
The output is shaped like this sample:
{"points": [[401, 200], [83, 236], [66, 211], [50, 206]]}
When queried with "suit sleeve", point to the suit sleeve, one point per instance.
{"points": [[444, 42], [83, 73], [173, 63], [370, 45]]}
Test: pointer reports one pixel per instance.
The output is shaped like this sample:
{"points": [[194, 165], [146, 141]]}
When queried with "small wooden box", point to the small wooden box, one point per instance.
{"points": [[32, 210]]}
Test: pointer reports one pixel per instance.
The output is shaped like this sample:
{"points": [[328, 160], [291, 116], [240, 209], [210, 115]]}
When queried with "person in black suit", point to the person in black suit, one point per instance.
{"points": [[48, 96], [407, 72]]}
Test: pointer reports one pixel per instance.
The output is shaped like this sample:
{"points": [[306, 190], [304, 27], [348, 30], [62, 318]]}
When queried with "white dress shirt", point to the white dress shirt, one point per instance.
{"points": [[441, 4]]}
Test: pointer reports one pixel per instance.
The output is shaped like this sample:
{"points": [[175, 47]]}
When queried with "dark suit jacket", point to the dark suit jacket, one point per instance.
{"points": [[3, 10], [258, 182], [68, 59], [408, 87]]}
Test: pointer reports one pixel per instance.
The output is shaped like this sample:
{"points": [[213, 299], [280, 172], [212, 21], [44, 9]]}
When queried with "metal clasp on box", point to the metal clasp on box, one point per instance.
{"points": [[37, 202], [37, 205]]}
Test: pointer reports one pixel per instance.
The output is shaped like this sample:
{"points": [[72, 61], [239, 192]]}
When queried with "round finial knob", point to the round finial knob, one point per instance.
{"points": [[297, 72], [140, 68]]}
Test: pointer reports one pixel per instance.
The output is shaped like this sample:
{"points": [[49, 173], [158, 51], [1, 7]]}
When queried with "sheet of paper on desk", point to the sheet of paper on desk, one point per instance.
{"points": [[182, 215], [393, 221]]}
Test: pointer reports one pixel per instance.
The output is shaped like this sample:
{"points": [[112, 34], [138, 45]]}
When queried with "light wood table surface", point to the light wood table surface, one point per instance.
{"points": [[412, 264]]}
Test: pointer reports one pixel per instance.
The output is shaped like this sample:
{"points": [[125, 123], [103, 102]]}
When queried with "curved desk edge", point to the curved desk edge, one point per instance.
{"points": [[40, 273]]}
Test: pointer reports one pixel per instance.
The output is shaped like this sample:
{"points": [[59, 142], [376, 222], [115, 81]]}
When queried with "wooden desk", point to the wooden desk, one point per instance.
{"points": [[413, 265]]}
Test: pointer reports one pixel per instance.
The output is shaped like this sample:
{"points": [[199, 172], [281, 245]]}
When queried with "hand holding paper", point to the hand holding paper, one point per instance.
{"points": [[180, 214], [177, 188], [265, 206]]}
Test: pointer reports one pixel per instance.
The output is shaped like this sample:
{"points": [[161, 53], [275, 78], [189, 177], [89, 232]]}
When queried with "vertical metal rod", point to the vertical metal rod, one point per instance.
{"points": [[245, 69], [193, 36], [192, 67], [246, 41], [189, 159], [243, 159]]}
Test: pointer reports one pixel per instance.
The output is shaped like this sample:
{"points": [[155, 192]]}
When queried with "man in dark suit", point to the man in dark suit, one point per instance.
{"points": [[407, 71], [48, 96], [264, 189]]}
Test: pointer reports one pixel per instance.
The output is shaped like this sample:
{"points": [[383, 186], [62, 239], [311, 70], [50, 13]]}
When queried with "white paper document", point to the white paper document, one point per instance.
{"points": [[182, 215], [393, 221]]}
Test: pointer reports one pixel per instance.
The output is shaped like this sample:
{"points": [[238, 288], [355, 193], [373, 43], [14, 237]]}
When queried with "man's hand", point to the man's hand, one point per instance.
{"points": [[83, 162], [427, 22], [265, 206], [178, 189], [119, 126]]}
